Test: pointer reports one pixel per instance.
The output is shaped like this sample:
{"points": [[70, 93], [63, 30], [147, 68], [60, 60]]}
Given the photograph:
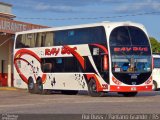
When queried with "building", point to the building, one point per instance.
{"points": [[8, 27]]}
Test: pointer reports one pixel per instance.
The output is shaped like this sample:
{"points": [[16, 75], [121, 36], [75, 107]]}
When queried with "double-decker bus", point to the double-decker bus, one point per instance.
{"points": [[98, 58]]}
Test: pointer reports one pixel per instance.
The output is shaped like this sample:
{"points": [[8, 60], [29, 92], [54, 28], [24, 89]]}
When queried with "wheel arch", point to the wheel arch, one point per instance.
{"points": [[38, 78], [29, 78], [156, 85]]}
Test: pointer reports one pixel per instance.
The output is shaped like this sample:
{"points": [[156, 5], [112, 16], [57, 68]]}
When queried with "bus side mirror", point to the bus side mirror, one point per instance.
{"points": [[105, 63]]}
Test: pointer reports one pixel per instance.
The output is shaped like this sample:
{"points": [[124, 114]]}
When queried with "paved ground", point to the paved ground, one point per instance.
{"points": [[20, 101]]}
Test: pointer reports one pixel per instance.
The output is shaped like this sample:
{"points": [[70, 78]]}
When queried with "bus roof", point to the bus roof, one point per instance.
{"points": [[103, 23], [156, 55]]}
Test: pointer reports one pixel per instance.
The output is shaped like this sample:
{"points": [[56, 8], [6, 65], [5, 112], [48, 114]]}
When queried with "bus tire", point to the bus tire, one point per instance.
{"points": [[39, 87], [31, 85], [154, 87], [69, 92], [92, 89], [129, 94]]}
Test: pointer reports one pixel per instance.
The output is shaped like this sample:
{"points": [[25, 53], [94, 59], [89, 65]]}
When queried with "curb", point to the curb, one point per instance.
{"points": [[8, 88]]}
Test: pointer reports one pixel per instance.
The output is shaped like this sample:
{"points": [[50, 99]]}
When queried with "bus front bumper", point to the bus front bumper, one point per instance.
{"points": [[116, 88]]}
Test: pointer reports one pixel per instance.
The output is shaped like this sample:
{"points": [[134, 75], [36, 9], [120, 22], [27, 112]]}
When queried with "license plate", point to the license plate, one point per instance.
{"points": [[133, 89]]}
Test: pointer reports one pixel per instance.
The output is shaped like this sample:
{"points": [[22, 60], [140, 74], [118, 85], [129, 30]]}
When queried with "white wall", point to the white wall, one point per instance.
{"points": [[4, 52], [5, 8]]}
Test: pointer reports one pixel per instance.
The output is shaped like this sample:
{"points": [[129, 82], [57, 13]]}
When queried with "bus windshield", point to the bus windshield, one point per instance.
{"points": [[131, 63], [130, 50]]}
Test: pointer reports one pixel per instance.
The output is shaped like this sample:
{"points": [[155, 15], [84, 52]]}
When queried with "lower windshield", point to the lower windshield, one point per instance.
{"points": [[131, 64]]}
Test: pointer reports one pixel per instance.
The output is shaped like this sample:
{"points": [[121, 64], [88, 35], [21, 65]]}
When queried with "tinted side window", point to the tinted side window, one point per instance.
{"points": [[69, 64], [35, 40], [60, 37], [26, 40], [47, 39], [19, 43], [156, 62], [80, 36]]}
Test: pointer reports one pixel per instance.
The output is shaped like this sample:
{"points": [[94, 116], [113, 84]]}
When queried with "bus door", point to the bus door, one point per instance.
{"points": [[102, 65], [105, 67]]}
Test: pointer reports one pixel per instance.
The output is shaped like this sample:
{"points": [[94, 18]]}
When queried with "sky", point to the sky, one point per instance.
{"points": [[55, 13]]}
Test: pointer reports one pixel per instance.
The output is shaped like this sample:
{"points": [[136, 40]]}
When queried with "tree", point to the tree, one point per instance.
{"points": [[155, 45]]}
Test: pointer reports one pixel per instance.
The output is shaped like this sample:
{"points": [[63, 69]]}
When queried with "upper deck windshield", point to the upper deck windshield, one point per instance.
{"points": [[130, 50]]}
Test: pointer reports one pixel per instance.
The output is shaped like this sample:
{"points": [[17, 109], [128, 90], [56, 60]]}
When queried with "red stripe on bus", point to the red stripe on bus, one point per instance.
{"points": [[77, 55], [22, 52], [44, 76], [19, 72], [116, 88], [93, 76], [101, 46], [18, 56]]}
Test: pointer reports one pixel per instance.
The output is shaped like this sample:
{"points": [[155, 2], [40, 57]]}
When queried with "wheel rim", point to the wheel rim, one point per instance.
{"points": [[94, 87], [31, 85], [40, 86]]}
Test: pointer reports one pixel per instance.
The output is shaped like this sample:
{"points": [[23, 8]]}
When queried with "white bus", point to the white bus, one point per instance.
{"points": [[156, 71], [98, 58]]}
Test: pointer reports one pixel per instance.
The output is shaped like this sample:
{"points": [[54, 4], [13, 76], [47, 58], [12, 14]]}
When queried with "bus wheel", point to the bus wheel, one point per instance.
{"points": [[31, 85], [154, 86], [129, 94], [39, 87], [92, 89], [69, 92]]}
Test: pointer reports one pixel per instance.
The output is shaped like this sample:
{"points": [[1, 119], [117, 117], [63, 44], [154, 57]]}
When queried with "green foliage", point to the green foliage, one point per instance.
{"points": [[155, 44]]}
